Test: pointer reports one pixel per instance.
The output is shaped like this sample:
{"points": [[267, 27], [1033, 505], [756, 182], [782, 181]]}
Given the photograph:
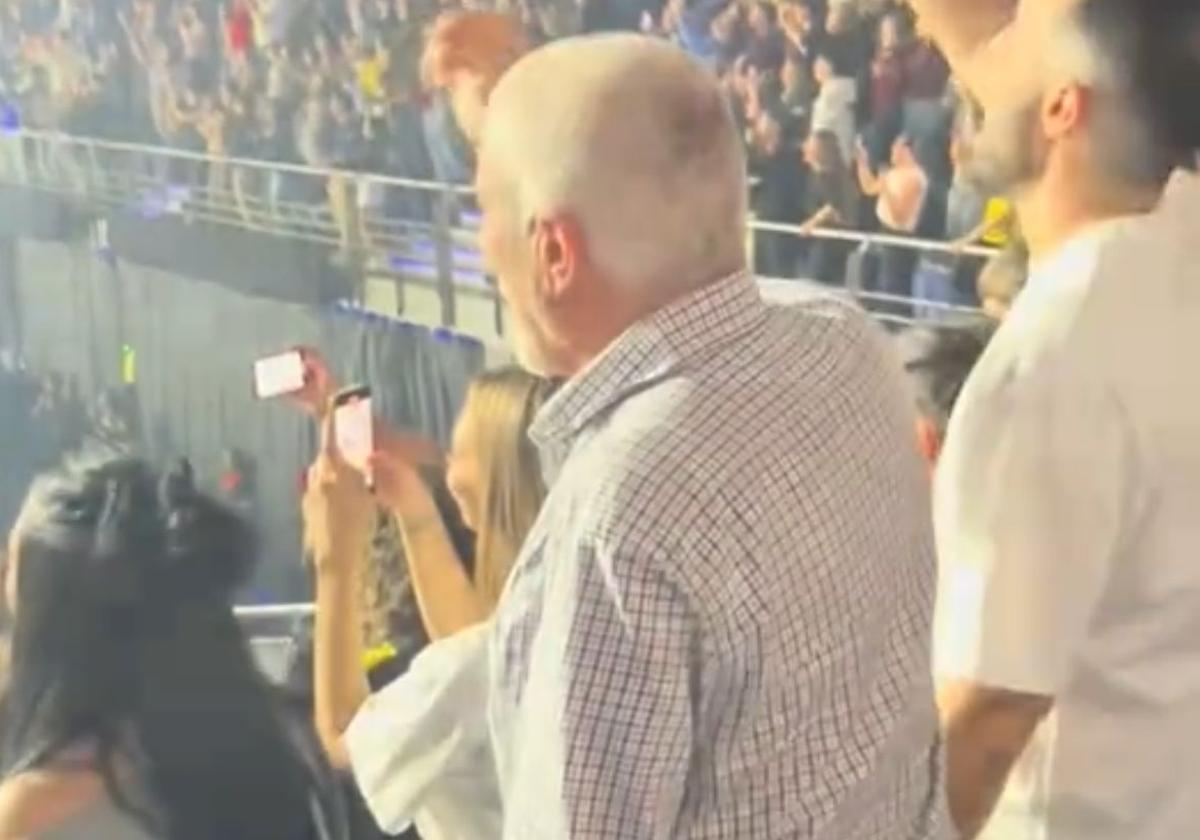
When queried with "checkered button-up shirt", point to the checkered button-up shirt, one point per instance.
{"points": [[719, 626]]}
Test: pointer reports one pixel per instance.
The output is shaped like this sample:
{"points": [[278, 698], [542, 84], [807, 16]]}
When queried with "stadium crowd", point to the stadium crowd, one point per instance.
{"points": [[850, 117], [709, 591]]}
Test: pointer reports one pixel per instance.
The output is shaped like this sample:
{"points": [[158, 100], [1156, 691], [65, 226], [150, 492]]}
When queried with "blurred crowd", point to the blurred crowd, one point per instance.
{"points": [[850, 117]]}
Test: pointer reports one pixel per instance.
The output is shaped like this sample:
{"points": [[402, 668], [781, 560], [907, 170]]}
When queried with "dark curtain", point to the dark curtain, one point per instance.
{"points": [[192, 345]]}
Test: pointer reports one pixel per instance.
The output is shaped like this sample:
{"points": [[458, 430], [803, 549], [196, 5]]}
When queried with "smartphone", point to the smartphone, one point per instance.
{"points": [[353, 427], [278, 375]]}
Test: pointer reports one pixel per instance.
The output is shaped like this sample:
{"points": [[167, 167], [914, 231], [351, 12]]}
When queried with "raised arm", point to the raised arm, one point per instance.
{"points": [[338, 514], [868, 181], [446, 595], [822, 217], [995, 46], [961, 27]]}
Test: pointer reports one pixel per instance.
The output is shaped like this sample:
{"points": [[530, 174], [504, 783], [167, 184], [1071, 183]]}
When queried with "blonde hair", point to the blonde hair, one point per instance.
{"points": [[503, 403]]}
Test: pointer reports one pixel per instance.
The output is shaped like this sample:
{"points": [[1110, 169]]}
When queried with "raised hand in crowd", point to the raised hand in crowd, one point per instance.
{"points": [[338, 508], [339, 517], [316, 396], [980, 37]]}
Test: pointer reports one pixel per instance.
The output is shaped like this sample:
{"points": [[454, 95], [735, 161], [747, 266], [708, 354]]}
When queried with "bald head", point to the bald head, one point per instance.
{"points": [[632, 139]]}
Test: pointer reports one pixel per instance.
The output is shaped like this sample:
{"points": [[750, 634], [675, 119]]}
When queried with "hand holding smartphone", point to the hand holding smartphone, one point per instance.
{"points": [[354, 428]]}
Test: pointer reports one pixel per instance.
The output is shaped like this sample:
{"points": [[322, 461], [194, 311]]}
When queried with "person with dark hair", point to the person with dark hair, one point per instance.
{"points": [[938, 361], [778, 196], [766, 46], [904, 197], [836, 100], [844, 41], [133, 708], [1066, 495], [886, 88], [833, 199]]}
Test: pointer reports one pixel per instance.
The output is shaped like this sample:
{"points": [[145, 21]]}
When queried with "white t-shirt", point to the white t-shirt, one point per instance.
{"points": [[833, 110], [1068, 520], [420, 749]]}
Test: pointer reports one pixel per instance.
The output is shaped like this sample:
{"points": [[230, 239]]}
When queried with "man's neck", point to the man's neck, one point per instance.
{"points": [[1053, 214]]}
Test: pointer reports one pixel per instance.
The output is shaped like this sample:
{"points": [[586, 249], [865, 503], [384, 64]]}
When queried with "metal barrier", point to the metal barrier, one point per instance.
{"points": [[419, 231], [259, 612]]}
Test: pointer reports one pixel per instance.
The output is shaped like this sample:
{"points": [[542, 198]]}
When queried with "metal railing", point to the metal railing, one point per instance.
{"points": [[419, 232]]}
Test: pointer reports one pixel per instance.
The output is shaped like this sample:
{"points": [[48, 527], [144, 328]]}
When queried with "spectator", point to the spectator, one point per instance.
{"points": [[971, 215], [938, 361], [134, 708], [834, 107], [886, 89], [392, 740], [1082, 413], [949, 280], [728, 35], [903, 195], [797, 24], [237, 21], [689, 24], [199, 70], [765, 44], [275, 21], [1002, 279], [116, 421], [284, 80], [926, 119], [265, 139], [492, 477], [778, 197], [796, 93], [833, 200], [293, 50], [674, 361], [845, 42], [464, 58]]}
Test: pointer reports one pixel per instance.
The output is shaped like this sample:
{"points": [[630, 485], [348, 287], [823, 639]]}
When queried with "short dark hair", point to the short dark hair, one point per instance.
{"points": [[1155, 46], [938, 360]]}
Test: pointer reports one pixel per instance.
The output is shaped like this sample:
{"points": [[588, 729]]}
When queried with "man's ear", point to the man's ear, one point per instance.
{"points": [[1064, 110], [558, 250]]}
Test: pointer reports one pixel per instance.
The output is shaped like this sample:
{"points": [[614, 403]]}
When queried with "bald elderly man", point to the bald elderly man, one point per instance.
{"points": [[719, 626]]}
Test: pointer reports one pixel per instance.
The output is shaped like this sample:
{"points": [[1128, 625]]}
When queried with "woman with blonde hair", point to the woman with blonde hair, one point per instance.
{"points": [[494, 481], [494, 476]]}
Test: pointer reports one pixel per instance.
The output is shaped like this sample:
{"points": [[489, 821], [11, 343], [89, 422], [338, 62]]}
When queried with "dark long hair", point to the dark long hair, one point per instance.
{"points": [[124, 643]]}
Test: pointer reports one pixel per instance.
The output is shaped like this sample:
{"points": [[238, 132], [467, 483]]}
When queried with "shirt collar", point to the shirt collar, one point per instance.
{"points": [[1182, 192], [649, 351]]}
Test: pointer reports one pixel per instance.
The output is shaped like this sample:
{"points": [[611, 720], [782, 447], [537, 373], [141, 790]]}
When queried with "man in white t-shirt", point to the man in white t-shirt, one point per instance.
{"points": [[1067, 636]]}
